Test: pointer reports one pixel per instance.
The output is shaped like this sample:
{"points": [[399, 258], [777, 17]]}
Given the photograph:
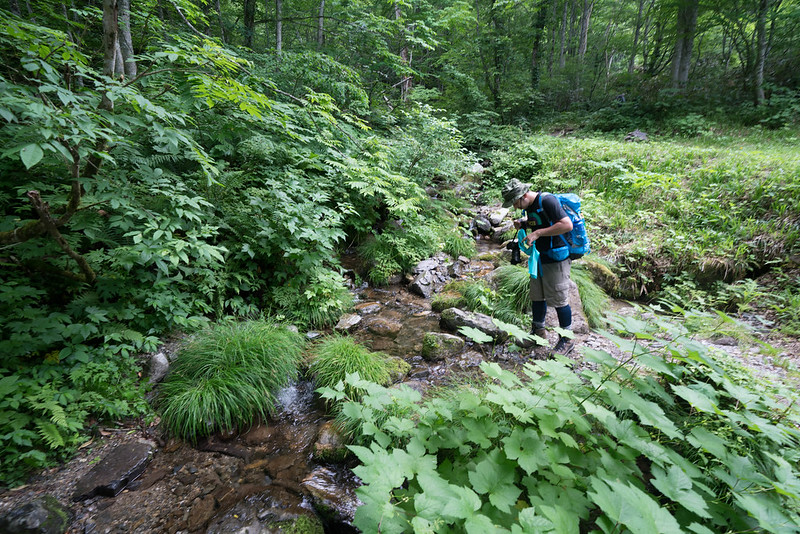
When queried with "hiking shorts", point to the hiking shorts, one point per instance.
{"points": [[552, 285]]}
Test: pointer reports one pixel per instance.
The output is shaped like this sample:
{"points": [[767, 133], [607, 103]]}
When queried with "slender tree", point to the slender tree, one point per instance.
{"points": [[684, 41]]}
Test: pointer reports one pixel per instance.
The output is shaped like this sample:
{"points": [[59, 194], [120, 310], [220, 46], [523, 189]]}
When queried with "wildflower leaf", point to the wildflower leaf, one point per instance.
{"points": [[632, 507], [676, 485]]}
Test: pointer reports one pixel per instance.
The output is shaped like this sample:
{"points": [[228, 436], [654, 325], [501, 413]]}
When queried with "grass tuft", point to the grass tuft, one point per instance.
{"points": [[337, 356], [227, 376]]}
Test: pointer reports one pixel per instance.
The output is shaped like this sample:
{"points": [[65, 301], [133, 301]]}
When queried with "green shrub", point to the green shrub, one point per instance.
{"points": [[318, 304], [672, 433], [457, 245], [399, 248], [227, 376], [338, 356]]}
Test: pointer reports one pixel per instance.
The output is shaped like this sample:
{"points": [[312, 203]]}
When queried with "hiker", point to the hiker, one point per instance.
{"points": [[545, 220]]}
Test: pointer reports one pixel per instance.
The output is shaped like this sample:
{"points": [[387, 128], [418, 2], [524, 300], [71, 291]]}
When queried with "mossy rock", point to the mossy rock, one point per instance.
{"points": [[398, 369], [447, 299], [437, 346]]}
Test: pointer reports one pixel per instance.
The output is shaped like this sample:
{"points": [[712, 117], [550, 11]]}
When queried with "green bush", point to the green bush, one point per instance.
{"points": [[457, 244], [318, 304], [338, 356], [227, 376], [399, 248]]}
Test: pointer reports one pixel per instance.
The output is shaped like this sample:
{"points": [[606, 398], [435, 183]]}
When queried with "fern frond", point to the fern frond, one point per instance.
{"points": [[50, 434]]}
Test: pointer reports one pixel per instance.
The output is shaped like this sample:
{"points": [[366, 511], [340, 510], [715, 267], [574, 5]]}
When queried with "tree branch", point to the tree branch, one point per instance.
{"points": [[50, 226]]}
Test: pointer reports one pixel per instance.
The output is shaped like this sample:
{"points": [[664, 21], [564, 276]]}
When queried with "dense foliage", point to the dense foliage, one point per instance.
{"points": [[675, 438]]}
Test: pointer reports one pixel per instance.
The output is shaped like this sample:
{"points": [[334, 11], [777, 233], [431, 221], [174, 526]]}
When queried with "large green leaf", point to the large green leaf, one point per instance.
{"points": [[632, 507], [31, 155], [495, 476], [527, 447], [676, 485]]}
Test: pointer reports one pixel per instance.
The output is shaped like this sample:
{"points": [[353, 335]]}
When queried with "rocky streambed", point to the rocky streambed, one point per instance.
{"points": [[287, 474]]}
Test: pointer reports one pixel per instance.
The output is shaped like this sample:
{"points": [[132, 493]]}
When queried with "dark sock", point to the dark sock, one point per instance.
{"points": [[539, 312], [564, 316]]}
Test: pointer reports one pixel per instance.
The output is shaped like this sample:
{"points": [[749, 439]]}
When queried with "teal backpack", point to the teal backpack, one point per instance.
{"points": [[575, 242]]}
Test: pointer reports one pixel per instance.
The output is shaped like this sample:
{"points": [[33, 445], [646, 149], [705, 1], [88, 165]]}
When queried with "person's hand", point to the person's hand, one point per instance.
{"points": [[530, 238], [517, 223]]}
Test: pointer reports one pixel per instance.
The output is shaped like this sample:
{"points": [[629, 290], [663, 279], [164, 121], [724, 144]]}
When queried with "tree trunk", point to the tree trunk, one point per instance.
{"points": [[279, 26], [761, 53], [321, 25], [562, 56], [684, 41], [221, 22], [13, 6], [586, 16], [538, 31], [249, 22], [125, 41], [110, 40], [406, 81], [634, 48]]}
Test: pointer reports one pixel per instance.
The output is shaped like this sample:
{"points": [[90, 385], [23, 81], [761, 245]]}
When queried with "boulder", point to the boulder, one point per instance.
{"points": [[332, 494], [159, 365], [43, 515], [383, 327], [367, 308], [331, 444], [113, 473], [636, 135], [496, 217], [452, 319], [482, 224], [347, 322], [437, 346]]}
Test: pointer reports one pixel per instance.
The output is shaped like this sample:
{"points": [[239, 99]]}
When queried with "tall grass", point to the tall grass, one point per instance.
{"points": [[338, 356], [227, 376]]}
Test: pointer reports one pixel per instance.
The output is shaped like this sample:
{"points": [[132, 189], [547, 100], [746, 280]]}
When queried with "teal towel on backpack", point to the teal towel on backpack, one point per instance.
{"points": [[533, 254]]}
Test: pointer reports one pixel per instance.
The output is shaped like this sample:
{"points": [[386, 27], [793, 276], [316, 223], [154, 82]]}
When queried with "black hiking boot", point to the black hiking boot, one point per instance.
{"points": [[564, 346]]}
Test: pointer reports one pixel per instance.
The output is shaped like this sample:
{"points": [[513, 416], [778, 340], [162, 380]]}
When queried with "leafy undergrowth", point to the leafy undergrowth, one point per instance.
{"points": [[672, 439]]}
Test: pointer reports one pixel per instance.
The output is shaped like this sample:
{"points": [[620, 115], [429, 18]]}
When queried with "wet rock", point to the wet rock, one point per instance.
{"points": [[202, 510], [259, 434], [452, 319], [159, 365], [438, 346], [499, 231], [347, 322], [114, 472], [43, 515], [496, 217], [482, 224], [468, 360], [265, 514], [383, 327], [398, 369], [214, 444], [331, 444], [367, 308], [332, 494], [427, 283]]}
